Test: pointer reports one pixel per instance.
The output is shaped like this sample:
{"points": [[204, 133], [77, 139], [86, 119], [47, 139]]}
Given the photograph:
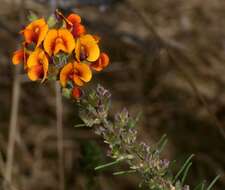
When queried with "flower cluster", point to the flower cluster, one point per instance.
{"points": [[60, 49]]}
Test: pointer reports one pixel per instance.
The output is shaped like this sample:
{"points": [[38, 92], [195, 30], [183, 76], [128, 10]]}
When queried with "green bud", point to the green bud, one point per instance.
{"points": [[66, 92], [32, 16], [51, 21]]}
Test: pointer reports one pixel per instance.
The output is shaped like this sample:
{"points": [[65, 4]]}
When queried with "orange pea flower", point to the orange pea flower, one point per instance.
{"points": [[101, 62], [18, 57], [79, 73], [59, 40], [87, 48], [35, 32], [37, 64], [75, 24]]}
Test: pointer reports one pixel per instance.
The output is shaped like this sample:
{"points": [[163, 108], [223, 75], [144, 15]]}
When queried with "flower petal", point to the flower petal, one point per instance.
{"points": [[93, 52], [68, 39], [59, 47], [101, 63], [91, 47], [49, 41], [18, 57], [39, 22], [28, 35], [59, 40], [43, 32], [77, 49], [64, 74], [84, 71], [35, 32], [45, 65], [37, 64], [35, 72], [77, 80], [33, 58]]}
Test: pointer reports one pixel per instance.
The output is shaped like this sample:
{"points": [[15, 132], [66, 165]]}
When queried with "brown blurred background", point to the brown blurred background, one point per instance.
{"points": [[178, 85]]}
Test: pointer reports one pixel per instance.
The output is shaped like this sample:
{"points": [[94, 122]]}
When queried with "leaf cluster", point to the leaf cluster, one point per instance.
{"points": [[120, 134]]}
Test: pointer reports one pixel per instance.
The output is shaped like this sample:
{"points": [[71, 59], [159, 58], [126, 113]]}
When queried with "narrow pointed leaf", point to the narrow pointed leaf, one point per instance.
{"points": [[107, 165], [161, 140], [200, 186], [162, 146], [80, 125], [124, 172], [185, 173], [183, 168], [213, 182]]}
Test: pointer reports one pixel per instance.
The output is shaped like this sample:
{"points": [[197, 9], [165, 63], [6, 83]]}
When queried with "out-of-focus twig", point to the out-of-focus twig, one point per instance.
{"points": [[2, 173], [60, 135], [59, 123], [218, 124], [4, 26], [59, 118], [2, 165], [170, 48], [14, 115], [22, 145], [13, 125]]}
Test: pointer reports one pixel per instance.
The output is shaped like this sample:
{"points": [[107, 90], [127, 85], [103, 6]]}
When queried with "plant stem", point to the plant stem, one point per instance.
{"points": [[59, 124]]}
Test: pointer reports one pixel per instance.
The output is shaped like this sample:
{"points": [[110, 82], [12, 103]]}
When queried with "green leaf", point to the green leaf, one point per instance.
{"points": [[66, 92], [51, 21], [178, 186], [107, 165], [185, 173], [203, 186], [213, 182], [92, 155], [133, 122], [162, 145], [200, 186], [183, 168], [32, 16], [124, 172], [80, 125], [161, 140]]}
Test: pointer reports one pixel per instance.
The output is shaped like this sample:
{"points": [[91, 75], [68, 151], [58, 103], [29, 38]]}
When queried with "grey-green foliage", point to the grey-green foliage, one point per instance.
{"points": [[120, 134]]}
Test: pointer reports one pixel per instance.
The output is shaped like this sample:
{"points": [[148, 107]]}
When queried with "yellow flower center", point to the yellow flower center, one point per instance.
{"points": [[59, 40], [36, 29]]}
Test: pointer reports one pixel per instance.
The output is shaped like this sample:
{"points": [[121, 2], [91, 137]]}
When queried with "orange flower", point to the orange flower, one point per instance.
{"points": [[79, 73], [37, 64], [59, 40], [18, 57], [75, 24], [101, 62], [87, 48], [35, 32]]}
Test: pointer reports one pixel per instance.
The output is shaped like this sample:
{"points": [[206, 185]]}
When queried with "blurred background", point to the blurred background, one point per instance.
{"points": [[167, 61]]}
